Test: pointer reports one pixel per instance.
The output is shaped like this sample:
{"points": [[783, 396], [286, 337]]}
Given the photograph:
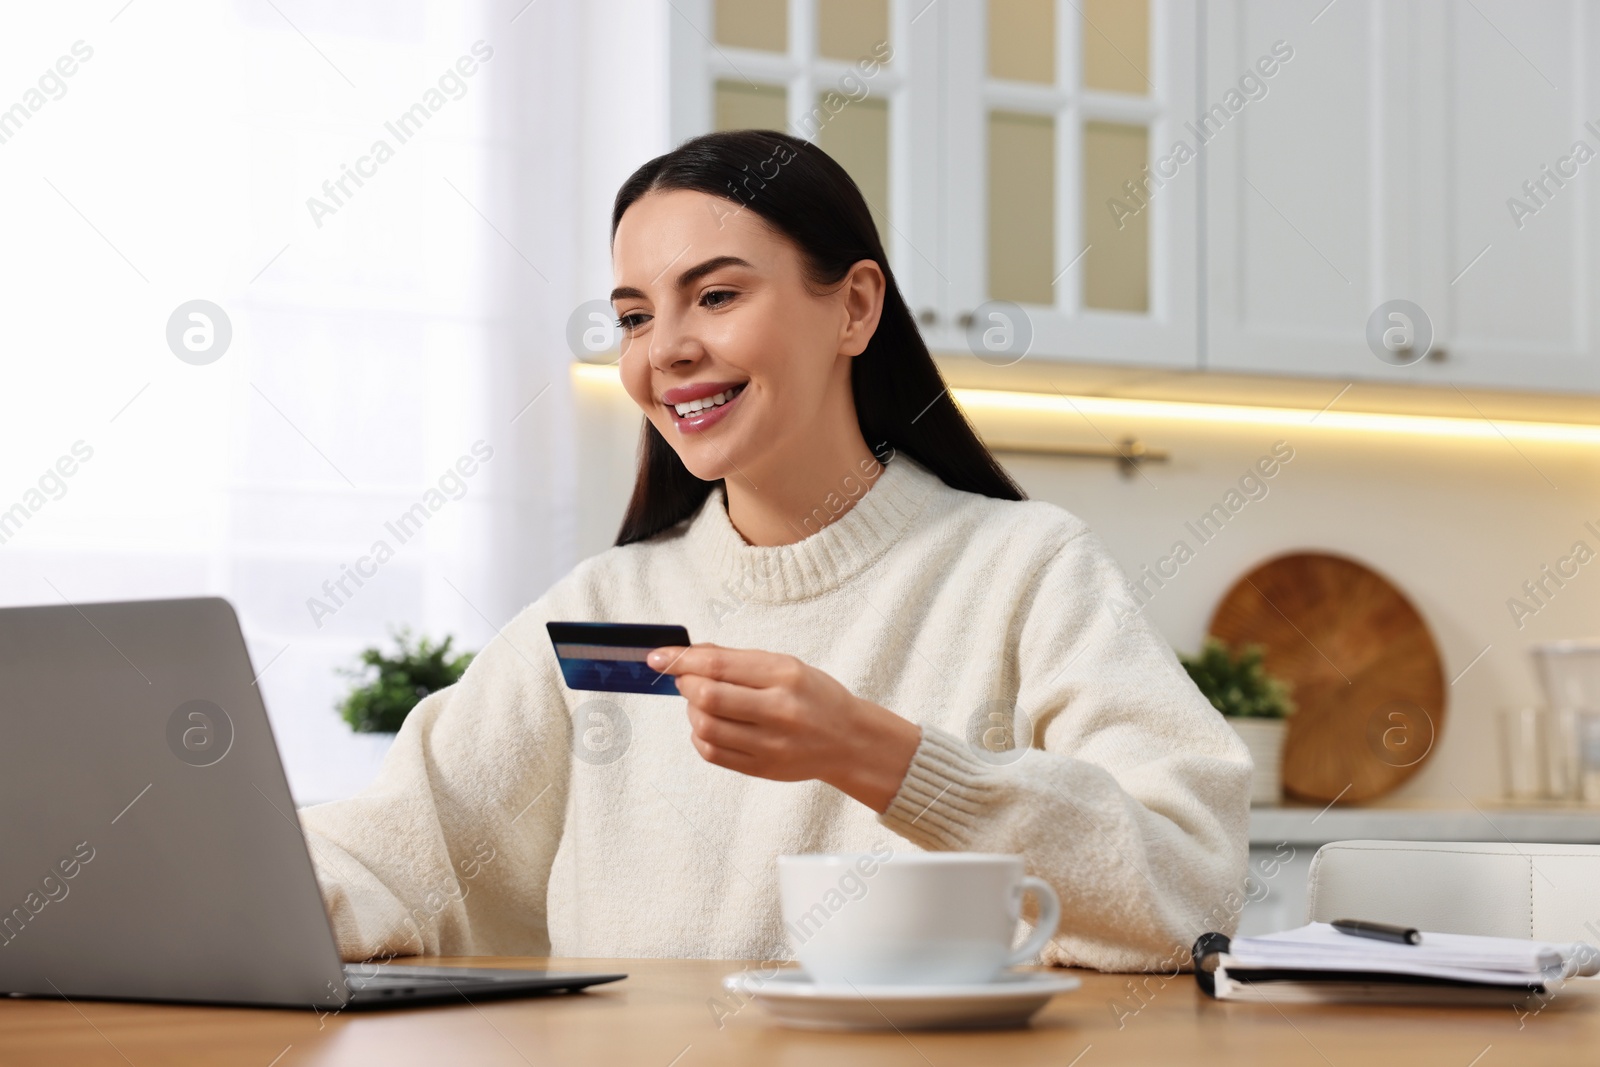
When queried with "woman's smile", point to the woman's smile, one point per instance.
{"points": [[695, 408]]}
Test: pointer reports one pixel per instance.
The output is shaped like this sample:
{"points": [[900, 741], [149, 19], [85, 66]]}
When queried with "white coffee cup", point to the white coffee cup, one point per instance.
{"points": [[910, 918]]}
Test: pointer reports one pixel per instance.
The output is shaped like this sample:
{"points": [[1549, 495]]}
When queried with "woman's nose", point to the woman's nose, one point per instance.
{"points": [[672, 346]]}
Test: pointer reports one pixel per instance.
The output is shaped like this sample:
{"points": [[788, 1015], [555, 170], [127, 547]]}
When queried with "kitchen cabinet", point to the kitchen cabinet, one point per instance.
{"points": [[1016, 154], [860, 78], [1063, 195], [1231, 185], [1418, 150]]}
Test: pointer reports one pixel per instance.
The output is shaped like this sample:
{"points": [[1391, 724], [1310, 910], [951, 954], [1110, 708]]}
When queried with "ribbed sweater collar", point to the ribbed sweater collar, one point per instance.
{"points": [[822, 561]]}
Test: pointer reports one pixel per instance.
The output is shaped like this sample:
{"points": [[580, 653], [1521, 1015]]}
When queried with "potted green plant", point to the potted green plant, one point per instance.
{"points": [[1256, 704], [389, 686]]}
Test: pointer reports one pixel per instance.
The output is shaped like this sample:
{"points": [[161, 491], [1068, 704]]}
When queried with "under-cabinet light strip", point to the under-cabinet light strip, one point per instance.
{"points": [[977, 401]]}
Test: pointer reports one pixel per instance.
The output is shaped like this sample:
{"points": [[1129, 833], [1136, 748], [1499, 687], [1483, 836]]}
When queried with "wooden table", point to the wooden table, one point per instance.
{"points": [[661, 1016]]}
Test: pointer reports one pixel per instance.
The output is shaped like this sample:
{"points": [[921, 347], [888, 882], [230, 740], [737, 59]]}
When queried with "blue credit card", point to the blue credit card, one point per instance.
{"points": [[610, 656]]}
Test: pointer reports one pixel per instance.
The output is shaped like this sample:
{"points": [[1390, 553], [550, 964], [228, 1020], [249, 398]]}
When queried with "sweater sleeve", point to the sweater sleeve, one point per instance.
{"points": [[449, 850], [1132, 800]]}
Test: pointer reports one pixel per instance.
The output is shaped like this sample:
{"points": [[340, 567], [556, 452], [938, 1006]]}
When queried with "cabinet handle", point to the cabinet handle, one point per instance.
{"points": [[928, 317], [965, 320], [1404, 355], [1128, 454]]}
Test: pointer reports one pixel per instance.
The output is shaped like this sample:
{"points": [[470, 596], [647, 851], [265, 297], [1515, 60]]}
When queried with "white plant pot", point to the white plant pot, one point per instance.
{"points": [[1264, 739]]}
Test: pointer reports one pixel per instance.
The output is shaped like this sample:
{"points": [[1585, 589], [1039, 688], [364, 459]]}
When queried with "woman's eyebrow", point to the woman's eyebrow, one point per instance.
{"points": [[687, 278]]}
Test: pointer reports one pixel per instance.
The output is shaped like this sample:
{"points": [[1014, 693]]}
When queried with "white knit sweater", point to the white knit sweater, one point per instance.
{"points": [[514, 816]]}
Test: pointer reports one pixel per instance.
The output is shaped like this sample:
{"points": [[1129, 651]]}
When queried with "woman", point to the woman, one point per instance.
{"points": [[877, 613]]}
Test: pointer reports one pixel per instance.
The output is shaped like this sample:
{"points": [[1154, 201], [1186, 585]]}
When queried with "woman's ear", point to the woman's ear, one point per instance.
{"points": [[863, 290]]}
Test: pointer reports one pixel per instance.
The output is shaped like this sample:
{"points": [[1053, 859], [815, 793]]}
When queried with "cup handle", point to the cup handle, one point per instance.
{"points": [[1049, 919]]}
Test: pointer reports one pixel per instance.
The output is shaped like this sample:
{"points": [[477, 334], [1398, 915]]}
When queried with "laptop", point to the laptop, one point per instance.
{"points": [[152, 850]]}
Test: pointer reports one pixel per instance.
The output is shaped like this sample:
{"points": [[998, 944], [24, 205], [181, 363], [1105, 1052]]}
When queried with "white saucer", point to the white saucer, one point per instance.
{"points": [[795, 1000]]}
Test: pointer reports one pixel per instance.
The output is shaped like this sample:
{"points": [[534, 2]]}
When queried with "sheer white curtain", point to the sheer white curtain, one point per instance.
{"points": [[388, 202]]}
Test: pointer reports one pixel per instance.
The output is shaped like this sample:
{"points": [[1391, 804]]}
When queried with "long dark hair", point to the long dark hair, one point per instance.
{"points": [[902, 402]]}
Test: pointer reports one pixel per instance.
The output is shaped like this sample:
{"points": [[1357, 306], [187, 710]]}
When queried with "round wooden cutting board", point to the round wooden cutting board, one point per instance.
{"points": [[1369, 686]]}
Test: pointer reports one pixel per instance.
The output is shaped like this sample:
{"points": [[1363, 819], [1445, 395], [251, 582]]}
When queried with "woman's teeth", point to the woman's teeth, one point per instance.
{"points": [[688, 408]]}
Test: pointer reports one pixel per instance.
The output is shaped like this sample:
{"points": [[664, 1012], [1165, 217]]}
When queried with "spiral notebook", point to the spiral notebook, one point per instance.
{"points": [[1317, 963]]}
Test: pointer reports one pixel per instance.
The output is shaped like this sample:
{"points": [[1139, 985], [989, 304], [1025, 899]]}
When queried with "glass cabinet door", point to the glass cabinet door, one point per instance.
{"points": [[1073, 209], [855, 77], [1020, 157]]}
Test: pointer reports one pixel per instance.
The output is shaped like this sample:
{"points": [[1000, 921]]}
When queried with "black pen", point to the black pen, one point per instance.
{"points": [[1404, 935]]}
